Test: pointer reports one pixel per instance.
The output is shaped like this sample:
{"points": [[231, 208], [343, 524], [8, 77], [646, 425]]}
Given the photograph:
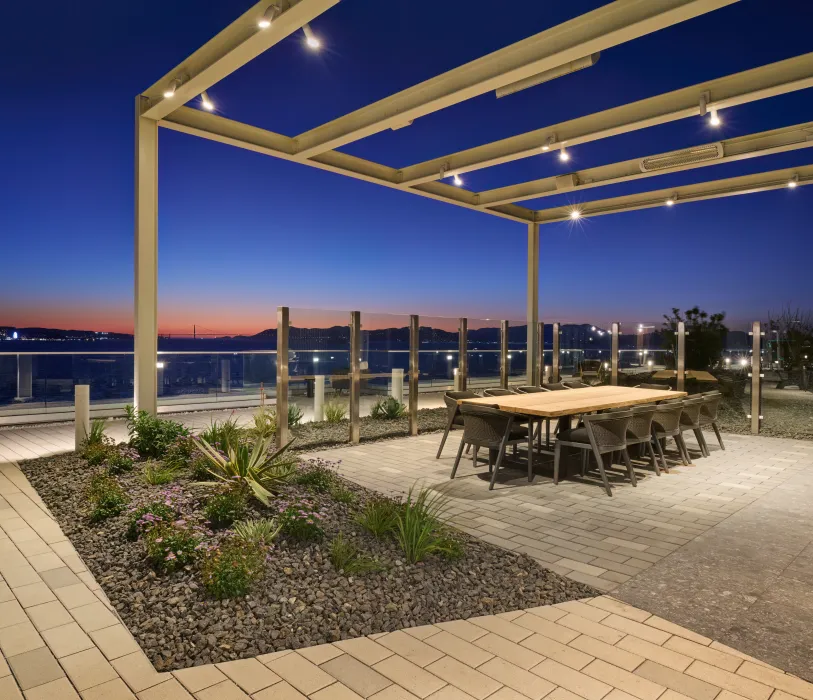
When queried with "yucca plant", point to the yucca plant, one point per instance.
{"points": [[388, 408], [295, 415], [265, 425], [264, 472]]}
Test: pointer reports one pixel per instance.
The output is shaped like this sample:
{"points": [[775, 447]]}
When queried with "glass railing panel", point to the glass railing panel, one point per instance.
{"points": [[438, 352], [646, 353], [385, 358], [483, 353], [319, 346], [517, 352]]}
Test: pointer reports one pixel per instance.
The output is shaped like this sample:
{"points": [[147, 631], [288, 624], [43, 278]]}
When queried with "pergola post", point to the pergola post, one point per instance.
{"points": [[756, 378], [414, 373], [503, 354], [532, 303], [145, 376]]}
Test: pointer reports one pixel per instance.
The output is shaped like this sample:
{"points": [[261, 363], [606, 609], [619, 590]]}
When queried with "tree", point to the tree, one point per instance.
{"points": [[705, 340]]}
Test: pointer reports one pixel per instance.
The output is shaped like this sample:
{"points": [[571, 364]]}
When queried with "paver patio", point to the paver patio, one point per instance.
{"points": [[60, 637]]}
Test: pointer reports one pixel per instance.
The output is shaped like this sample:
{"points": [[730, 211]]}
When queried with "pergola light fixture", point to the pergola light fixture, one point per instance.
{"points": [[173, 86], [672, 200], [564, 156], [714, 118], [575, 214], [206, 103], [548, 143], [310, 38], [268, 16], [793, 182], [457, 180]]}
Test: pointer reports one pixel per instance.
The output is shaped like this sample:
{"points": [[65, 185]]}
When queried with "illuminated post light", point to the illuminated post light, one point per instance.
{"points": [[310, 38]]}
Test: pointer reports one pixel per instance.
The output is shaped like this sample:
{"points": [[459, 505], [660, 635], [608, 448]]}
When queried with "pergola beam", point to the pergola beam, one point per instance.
{"points": [[232, 48], [608, 26], [714, 189], [741, 148], [215, 128], [740, 88]]}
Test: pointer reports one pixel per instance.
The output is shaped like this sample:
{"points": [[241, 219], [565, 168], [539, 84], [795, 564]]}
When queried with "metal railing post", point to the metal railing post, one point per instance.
{"points": [[414, 373], [554, 376], [463, 354], [282, 376], [615, 331], [355, 376], [540, 354], [503, 354], [756, 378], [81, 403], [681, 356]]}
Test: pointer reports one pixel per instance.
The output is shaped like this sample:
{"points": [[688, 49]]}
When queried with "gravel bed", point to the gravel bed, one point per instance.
{"points": [[786, 414], [302, 600], [324, 434]]}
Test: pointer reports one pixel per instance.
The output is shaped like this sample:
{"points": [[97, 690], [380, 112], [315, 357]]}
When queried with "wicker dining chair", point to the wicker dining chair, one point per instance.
{"points": [[531, 389], [490, 428], [656, 387], [708, 413], [640, 432], [453, 417], [602, 433], [690, 420], [666, 424], [575, 384], [558, 386], [498, 392]]}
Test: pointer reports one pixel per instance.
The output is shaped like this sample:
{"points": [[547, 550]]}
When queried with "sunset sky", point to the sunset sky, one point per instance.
{"points": [[241, 233]]}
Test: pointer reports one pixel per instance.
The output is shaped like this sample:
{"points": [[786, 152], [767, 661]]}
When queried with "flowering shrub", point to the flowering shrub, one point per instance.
{"points": [[172, 545], [145, 517], [121, 459], [302, 519], [150, 435], [226, 506], [229, 570], [107, 498], [179, 453]]}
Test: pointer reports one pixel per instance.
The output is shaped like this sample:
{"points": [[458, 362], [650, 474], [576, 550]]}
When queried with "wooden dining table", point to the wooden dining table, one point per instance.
{"points": [[565, 404]]}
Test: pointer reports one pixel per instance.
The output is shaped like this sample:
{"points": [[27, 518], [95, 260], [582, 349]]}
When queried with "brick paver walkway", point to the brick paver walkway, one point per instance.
{"points": [[60, 638]]}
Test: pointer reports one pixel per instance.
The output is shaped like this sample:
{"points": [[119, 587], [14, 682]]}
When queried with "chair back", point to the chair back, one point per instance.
{"points": [[559, 386], [641, 423], [575, 384], [666, 421], [710, 406], [530, 389], [451, 398], [609, 430], [498, 392], [484, 425], [656, 387], [690, 417]]}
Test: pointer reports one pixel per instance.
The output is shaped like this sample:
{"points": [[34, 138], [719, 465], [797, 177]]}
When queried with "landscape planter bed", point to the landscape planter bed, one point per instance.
{"points": [[301, 599]]}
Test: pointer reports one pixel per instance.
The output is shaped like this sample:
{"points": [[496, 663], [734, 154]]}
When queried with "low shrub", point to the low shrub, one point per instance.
{"points": [[120, 460], [96, 453], [347, 558], [180, 452], [199, 467], [229, 571], [150, 435], [317, 475], [335, 411], [264, 426], [222, 435], [106, 496], [147, 516], [388, 408], [449, 545], [417, 527], [156, 473], [301, 520], [96, 435], [259, 531], [226, 506], [341, 494], [171, 546], [379, 516]]}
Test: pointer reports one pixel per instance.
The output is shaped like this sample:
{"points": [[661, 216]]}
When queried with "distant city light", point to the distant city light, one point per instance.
{"points": [[448, 357], [14, 335], [592, 328], [159, 365], [728, 360], [744, 361], [509, 357], [316, 359]]}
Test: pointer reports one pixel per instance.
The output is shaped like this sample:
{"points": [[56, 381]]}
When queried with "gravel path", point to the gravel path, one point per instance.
{"points": [[302, 600], [786, 414]]}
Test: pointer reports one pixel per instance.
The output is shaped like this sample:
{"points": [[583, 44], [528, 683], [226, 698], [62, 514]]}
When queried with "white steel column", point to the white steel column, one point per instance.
{"points": [[532, 305], [146, 262]]}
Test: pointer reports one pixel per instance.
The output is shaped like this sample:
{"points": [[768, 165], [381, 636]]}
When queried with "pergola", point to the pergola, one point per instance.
{"points": [[554, 52]]}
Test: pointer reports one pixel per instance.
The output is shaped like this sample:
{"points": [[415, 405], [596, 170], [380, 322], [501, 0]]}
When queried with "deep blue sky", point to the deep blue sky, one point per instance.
{"points": [[241, 233]]}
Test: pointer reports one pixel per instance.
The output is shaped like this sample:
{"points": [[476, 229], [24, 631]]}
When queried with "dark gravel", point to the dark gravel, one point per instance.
{"points": [[324, 434], [303, 600], [786, 414]]}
